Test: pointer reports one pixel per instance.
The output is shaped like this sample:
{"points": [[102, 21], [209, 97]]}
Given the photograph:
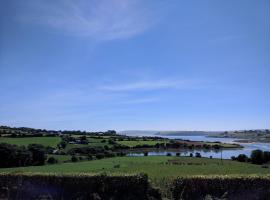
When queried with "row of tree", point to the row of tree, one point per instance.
{"points": [[257, 157], [25, 131]]}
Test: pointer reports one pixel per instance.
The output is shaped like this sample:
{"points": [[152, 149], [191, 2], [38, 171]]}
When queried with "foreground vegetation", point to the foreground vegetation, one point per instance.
{"points": [[156, 167], [93, 187], [161, 170]]}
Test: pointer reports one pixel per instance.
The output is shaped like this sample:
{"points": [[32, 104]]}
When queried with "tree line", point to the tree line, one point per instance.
{"points": [[18, 156], [257, 157]]}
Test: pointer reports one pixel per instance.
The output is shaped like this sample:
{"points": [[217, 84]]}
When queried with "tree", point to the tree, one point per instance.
{"points": [[38, 154], [14, 156], [52, 160], [24, 157], [7, 155], [257, 157], [241, 158], [266, 156]]}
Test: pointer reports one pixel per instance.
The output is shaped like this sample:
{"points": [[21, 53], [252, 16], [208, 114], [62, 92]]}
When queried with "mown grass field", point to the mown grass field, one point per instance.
{"points": [[46, 141]]}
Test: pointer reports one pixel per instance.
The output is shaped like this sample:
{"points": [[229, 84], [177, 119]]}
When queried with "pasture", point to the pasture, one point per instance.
{"points": [[134, 143], [156, 167], [45, 141]]}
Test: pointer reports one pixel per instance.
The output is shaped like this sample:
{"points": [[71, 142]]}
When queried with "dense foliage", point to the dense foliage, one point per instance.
{"points": [[19, 186], [16, 156], [221, 188], [257, 157]]}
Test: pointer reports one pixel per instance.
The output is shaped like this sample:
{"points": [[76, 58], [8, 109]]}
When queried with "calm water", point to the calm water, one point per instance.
{"points": [[227, 154]]}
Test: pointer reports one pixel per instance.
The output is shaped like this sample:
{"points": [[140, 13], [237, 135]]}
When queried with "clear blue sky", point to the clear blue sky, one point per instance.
{"points": [[135, 64]]}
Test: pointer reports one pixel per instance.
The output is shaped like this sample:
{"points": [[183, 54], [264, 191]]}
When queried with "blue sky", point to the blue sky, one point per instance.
{"points": [[135, 64]]}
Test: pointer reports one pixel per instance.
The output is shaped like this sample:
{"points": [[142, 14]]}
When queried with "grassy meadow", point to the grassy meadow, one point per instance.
{"points": [[156, 167], [45, 141]]}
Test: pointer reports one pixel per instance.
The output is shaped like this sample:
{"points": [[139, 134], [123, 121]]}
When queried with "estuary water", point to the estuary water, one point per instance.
{"points": [[226, 154]]}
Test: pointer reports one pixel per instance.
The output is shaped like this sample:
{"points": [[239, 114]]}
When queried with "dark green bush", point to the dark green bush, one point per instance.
{"points": [[74, 159], [257, 156], [52, 160], [241, 158]]}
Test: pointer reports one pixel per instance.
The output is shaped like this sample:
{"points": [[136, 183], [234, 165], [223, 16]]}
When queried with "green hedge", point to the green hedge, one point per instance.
{"points": [[95, 187], [221, 187]]}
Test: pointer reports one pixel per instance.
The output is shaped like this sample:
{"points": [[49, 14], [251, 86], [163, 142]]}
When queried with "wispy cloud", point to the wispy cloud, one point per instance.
{"points": [[226, 38], [140, 101], [98, 19], [153, 85]]}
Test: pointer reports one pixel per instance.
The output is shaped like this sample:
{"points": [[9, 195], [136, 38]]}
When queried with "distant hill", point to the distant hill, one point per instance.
{"points": [[165, 133], [181, 133], [138, 132]]}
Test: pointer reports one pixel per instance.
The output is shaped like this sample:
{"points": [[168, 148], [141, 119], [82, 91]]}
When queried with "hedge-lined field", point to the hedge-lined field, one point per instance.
{"points": [[45, 141], [93, 187], [156, 167], [233, 188], [139, 142]]}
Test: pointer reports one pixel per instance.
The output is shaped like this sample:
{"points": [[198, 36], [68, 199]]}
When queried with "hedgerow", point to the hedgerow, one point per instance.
{"points": [[223, 187], [37, 186]]}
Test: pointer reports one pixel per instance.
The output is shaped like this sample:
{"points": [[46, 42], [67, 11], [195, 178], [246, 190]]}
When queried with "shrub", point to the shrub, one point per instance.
{"points": [[22, 186], [100, 155], [191, 155], [52, 160], [242, 158], [111, 141], [257, 157], [169, 154], [234, 187], [74, 159], [178, 154], [198, 155], [90, 157], [145, 153]]}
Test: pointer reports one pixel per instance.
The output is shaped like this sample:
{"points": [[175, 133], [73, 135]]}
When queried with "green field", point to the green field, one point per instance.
{"points": [[157, 167], [139, 142], [46, 141]]}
